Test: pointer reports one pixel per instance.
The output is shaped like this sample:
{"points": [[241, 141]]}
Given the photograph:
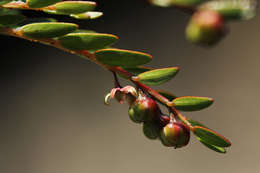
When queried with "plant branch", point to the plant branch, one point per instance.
{"points": [[116, 81], [116, 70], [24, 6]]}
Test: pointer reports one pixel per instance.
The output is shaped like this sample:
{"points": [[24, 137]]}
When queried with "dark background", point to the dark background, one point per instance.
{"points": [[52, 117]]}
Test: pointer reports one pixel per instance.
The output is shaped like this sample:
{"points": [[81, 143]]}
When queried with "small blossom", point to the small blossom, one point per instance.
{"points": [[126, 94]]}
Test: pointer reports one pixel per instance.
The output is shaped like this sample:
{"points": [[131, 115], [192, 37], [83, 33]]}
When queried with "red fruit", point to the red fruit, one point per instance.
{"points": [[144, 109], [206, 27], [175, 135], [209, 19]]}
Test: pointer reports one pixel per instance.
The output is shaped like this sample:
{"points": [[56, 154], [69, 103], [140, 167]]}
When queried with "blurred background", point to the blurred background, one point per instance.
{"points": [[52, 117]]}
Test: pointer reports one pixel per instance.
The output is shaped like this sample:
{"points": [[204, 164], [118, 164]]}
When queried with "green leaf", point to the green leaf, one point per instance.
{"points": [[10, 17], [47, 29], [213, 147], [124, 58], [211, 137], [87, 41], [5, 2], [232, 9], [192, 103], [73, 7], [167, 94], [87, 15], [157, 76], [210, 146], [83, 31], [41, 3], [161, 3], [52, 12]]}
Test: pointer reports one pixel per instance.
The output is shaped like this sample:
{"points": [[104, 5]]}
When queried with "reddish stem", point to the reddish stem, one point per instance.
{"points": [[115, 70], [116, 81]]}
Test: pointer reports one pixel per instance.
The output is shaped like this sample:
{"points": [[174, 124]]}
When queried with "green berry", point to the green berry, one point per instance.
{"points": [[205, 27], [144, 109], [151, 130], [175, 135], [133, 116]]}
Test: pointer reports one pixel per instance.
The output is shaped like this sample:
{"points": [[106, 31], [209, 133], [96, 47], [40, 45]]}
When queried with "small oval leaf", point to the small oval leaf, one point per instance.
{"points": [[192, 103], [211, 137], [161, 3], [87, 41], [40, 3], [87, 15], [73, 7], [47, 30], [213, 147], [124, 58], [52, 12], [157, 76], [83, 31], [10, 17]]}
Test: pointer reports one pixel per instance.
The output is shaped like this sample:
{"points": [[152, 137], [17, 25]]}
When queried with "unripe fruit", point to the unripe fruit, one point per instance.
{"points": [[133, 116], [175, 135], [144, 109], [151, 130], [205, 27]]}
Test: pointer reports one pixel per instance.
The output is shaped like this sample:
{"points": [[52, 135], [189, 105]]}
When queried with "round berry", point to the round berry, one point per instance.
{"points": [[144, 109], [151, 130], [205, 27], [175, 134]]}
